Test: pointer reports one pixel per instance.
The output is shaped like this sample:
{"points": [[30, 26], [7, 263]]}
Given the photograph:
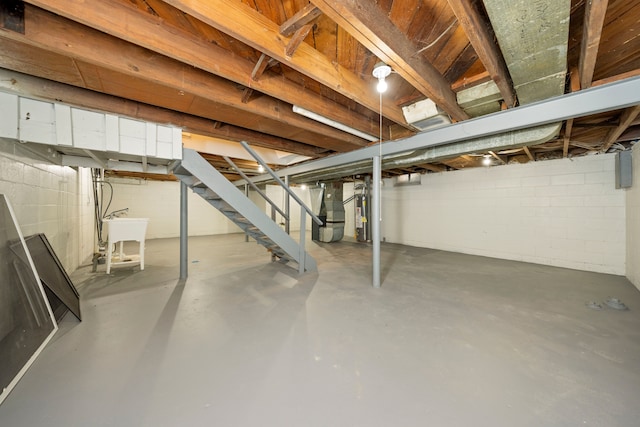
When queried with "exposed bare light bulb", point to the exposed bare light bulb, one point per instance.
{"points": [[382, 85], [303, 187], [381, 71], [486, 160], [260, 168]]}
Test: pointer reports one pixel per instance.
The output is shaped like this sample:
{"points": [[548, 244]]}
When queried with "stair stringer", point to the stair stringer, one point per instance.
{"points": [[198, 167]]}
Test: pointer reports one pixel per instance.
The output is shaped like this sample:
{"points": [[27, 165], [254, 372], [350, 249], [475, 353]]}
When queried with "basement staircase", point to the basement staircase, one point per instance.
{"points": [[223, 195]]}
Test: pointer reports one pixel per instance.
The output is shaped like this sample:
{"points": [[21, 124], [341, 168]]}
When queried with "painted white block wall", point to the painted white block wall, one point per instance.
{"points": [[563, 213], [50, 199], [277, 195], [633, 222], [160, 202]]}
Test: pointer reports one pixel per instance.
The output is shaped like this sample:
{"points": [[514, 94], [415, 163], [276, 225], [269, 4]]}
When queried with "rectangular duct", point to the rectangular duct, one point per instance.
{"points": [[425, 115]]}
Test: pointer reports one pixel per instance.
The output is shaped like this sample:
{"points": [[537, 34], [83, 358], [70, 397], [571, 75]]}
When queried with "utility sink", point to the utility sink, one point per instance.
{"points": [[122, 230]]}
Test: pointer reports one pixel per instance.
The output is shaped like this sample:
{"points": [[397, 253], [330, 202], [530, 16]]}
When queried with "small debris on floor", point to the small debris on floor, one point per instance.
{"points": [[615, 303], [195, 261], [594, 305]]}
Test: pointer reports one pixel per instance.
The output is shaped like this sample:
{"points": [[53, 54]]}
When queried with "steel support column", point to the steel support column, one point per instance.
{"points": [[287, 225], [246, 193], [375, 220], [184, 218]]}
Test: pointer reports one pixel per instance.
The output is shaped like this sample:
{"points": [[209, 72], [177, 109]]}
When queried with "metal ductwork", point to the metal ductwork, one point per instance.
{"points": [[425, 115], [533, 37], [515, 139]]}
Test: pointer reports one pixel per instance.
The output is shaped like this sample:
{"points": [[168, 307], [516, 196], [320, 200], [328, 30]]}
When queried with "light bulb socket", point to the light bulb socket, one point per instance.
{"points": [[381, 70]]}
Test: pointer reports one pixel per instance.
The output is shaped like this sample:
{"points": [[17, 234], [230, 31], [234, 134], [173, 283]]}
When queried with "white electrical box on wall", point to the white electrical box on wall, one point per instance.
{"points": [[624, 169]]}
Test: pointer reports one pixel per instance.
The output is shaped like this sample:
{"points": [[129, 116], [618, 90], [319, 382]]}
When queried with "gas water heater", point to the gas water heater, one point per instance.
{"points": [[363, 213]]}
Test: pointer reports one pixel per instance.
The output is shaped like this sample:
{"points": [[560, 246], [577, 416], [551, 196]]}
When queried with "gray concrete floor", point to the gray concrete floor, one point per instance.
{"points": [[449, 340]]}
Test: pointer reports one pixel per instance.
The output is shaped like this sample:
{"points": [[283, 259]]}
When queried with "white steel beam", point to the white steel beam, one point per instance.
{"points": [[613, 96]]}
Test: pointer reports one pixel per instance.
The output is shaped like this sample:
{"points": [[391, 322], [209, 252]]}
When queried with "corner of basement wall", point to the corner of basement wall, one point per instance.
{"points": [[51, 199], [633, 222], [565, 213]]}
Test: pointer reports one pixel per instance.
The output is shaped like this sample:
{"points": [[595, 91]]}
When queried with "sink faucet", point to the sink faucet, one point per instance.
{"points": [[117, 214]]}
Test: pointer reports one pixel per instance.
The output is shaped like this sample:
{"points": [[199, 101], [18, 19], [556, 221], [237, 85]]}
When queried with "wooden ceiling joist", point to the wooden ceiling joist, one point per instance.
{"points": [[617, 78], [527, 151], [54, 33], [626, 118], [12, 16], [251, 27], [498, 157], [568, 126], [595, 11], [110, 173], [307, 15], [297, 38], [371, 26], [152, 33], [246, 95], [260, 68], [432, 167], [483, 42]]}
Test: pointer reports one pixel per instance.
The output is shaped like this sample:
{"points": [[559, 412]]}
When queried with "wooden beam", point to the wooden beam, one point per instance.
{"points": [[53, 33], [251, 27], [12, 15], [498, 157], [470, 81], [528, 153], [371, 26], [139, 175], [143, 29], [246, 95], [479, 34], [260, 68], [432, 167], [626, 118], [307, 15], [46, 89], [595, 11], [568, 127], [298, 37], [623, 76]]}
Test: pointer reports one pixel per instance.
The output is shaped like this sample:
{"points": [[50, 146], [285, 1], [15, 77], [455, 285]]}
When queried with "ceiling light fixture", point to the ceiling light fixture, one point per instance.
{"points": [[381, 71], [329, 122], [486, 160], [260, 168]]}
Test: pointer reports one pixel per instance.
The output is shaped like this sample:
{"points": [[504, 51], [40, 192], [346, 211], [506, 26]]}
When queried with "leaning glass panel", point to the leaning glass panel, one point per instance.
{"points": [[26, 320]]}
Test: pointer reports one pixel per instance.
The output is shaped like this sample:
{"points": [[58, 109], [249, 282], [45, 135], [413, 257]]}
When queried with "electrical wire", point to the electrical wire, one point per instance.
{"points": [[104, 212], [380, 161], [98, 197]]}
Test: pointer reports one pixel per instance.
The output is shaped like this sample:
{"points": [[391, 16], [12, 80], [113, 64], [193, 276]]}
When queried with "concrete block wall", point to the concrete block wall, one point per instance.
{"points": [[160, 202], [50, 199], [633, 221], [563, 213], [277, 195]]}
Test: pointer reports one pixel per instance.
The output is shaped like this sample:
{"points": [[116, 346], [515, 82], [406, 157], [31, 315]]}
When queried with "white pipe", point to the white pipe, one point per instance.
{"points": [[329, 122]]}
